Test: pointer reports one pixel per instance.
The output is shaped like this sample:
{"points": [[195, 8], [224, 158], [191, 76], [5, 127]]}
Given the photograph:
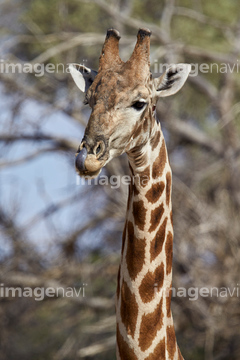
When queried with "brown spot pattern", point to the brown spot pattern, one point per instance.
{"points": [[151, 282], [135, 252], [159, 352], [159, 163], [154, 194], [125, 351], [157, 242], [129, 309], [155, 140], [171, 342], [150, 325], [169, 252], [139, 213], [144, 177], [156, 215], [168, 302], [168, 187]]}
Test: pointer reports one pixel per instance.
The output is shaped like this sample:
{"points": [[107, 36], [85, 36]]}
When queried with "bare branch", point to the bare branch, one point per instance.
{"points": [[68, 244], [193, 134], [65, 349], [203, 19], [24, 280], [50, 210], [82, 39], [166, 17], [26, 158], [104, 325], [129, 21], [98, 347], [58, 142], [209, 55], [205, 86]]}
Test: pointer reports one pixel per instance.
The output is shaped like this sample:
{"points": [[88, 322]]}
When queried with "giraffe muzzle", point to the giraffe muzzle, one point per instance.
{"points": [[87, 165]]}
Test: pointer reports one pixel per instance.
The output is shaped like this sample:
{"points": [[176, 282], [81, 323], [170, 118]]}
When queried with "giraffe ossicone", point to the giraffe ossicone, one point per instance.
{"points": [[123, 97]]}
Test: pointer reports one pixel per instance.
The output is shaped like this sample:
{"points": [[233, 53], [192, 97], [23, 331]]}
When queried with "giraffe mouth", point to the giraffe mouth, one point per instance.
{"points": [[88, 165]]}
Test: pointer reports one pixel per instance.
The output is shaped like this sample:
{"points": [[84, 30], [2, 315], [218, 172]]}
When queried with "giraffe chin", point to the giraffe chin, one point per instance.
{"points": [[89, 174]]}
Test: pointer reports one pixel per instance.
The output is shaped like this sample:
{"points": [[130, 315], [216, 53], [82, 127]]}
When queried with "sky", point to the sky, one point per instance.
{"points": [[50, 178]]}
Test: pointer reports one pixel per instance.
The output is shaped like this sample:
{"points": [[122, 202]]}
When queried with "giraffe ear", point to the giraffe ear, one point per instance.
{"points": [[172, 80], [82, 76]]}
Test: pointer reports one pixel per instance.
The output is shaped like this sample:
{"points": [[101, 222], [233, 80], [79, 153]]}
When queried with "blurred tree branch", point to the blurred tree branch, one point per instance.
{"points": [[59, 143], [202, 132]]}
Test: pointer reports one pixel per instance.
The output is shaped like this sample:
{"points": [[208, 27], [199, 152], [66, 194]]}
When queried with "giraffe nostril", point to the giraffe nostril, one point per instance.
{"points": [[80, 159], [98, 149]]}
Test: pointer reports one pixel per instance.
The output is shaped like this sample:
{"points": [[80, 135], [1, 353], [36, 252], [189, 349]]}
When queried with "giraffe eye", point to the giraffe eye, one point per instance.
{"points": [[138, 105]]}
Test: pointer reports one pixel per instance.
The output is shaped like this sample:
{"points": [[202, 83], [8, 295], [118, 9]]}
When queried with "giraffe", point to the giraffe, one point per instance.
{"points": [[123, 96]]}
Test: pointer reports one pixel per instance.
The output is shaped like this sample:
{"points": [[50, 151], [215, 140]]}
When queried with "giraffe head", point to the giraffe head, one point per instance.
{"points": [[122, 96]]}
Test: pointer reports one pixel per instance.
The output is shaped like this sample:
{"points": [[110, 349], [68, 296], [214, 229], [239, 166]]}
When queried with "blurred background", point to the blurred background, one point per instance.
{"points": [[56, 231]]}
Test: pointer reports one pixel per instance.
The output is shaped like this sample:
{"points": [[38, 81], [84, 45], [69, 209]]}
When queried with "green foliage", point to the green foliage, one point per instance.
{"points": [[53, 16], [211, 38], [148, 10], [45, 14], [226, 11]]}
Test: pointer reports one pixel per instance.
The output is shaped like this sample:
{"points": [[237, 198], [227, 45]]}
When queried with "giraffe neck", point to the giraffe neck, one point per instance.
{"points": [[144, 322]]}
